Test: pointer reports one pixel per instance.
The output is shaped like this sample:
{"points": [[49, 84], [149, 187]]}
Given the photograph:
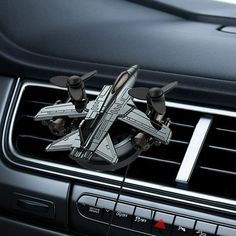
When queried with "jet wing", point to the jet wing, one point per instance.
{"points": [[65, 143], [107, 151], [59, 110], [139, 120]]}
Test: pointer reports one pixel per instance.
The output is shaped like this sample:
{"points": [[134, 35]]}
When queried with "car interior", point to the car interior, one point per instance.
{"points": [[185, 188]]}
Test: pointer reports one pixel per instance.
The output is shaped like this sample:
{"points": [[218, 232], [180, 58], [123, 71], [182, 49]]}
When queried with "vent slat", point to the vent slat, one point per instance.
{"points": [[36, 138], [227, 130], [218, 170], [182, 125], [160, 160], [222, 148], [26, 116], [179, 142], [41, 103], [31, 108]]}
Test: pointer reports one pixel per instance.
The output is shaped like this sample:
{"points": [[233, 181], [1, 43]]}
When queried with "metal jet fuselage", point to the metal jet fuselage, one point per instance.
{"points": [[109, 105]]}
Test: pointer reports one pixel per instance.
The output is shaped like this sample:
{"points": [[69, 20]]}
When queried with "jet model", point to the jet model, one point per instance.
{"points": [[89, 139]]}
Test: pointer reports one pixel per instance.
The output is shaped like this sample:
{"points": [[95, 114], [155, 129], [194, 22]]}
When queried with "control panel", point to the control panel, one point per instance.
{"points": [[147, 220]]}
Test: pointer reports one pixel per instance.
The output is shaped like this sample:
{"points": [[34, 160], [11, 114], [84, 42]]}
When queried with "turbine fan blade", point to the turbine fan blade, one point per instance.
{"points": [[75, 86], [139, 93], [159, 106], [59, 81], [167, 88], [76, 94], [88, 75], [156, 98]]}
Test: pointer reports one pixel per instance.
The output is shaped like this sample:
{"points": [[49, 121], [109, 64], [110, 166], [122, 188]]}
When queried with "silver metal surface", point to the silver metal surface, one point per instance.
{"points": [[201, 109], [167, 193], [193, 150]]}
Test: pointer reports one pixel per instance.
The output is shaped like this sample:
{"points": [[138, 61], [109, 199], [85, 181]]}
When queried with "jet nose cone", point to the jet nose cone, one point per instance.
{"points": [[133, 69]]}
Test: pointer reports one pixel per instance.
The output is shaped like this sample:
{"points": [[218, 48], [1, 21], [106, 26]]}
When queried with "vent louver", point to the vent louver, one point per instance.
{"points": [[216, 162], [216, 167]]}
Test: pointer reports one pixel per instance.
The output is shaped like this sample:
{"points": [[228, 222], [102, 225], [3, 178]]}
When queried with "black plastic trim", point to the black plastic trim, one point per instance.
{"points": [[13, 227]]}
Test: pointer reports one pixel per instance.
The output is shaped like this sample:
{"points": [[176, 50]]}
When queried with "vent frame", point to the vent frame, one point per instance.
{"points": [[154, 190]]}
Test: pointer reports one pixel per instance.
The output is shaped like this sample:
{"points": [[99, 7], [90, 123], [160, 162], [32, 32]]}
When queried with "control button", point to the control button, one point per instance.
{"points": [[123, 215], [108, 207], [183, 226], [86, 206], [88, 200], [142, 220], [90, 211], [162, 224], [225, 231], [94, 212], [204, 229], [83, 204]]}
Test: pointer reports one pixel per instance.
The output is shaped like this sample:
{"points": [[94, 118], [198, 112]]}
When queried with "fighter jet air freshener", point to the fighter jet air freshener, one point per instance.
{"points": [[90, 140]]}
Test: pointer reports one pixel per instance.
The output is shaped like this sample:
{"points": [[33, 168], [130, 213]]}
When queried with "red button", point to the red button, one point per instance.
{"points": [[160, 224]]}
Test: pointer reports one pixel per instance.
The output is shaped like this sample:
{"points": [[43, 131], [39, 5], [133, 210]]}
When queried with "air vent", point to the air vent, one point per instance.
{"points": [[205, 141], [30, 138], [216, 167]]}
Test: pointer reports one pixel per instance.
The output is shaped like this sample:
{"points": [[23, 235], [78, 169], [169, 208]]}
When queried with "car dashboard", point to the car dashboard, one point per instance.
{"points": [[184, 188]]}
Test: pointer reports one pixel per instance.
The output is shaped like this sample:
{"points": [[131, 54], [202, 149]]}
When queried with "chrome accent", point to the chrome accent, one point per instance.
{"points": [[212, 111], [200, 109], [170, 193], [181, 194], [193, 150]]}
